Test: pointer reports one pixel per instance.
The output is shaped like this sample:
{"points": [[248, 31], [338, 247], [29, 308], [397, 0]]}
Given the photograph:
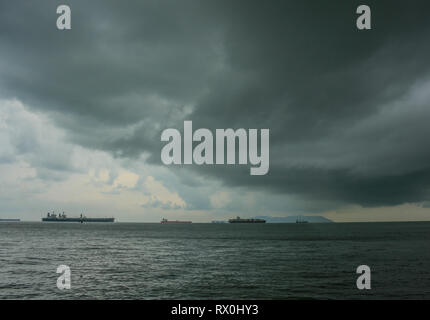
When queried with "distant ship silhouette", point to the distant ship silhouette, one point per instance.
{"points": [[52, 217], [240, 220], [174, 221], [300, 220]]}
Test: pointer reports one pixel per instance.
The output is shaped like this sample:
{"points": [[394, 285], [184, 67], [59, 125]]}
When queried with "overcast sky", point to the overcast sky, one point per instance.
{"points": [[81, 111]]}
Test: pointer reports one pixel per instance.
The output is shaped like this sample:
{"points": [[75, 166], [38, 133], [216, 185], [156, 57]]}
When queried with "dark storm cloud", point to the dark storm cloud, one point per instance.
{"points": [[347, 109], [120, 65]]}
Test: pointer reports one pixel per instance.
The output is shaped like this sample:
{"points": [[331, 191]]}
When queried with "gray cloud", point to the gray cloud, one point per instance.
{"points": [[347, 110]]}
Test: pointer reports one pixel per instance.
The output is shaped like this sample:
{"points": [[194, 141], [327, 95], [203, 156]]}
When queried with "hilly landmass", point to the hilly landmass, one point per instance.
{"points": [[293, 219]]}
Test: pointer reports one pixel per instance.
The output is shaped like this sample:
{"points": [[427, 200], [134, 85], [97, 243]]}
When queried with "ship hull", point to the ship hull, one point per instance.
{"points": [[78, 219], [247, 221], [176, 221]]}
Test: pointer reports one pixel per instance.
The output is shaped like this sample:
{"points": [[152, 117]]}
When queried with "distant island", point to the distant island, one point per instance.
{"points": [[10, 220], [293, 219]]}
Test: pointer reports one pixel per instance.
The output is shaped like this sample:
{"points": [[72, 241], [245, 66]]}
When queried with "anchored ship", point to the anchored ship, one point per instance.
{"points": [[52, 217], [174, 221], [240, 220], [300, 220]]}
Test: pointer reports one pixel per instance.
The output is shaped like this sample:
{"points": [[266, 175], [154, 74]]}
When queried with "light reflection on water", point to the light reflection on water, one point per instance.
{"points": [[214, 261]]}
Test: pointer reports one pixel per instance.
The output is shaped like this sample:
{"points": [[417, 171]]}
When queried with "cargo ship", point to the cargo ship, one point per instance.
{"points": [[240, 220], [10, 220], [174, 221], [52, 217]]}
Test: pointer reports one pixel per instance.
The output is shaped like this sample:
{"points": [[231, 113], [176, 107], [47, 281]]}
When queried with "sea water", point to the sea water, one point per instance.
{"points": [[214, 261]]}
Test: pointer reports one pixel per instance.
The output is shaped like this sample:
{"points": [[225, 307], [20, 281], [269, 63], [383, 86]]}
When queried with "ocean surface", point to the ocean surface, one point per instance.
{"points": [[214, 261]]}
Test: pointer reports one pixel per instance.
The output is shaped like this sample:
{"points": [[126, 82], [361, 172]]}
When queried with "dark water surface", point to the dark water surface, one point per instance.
{"points": [[214, 261]]}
